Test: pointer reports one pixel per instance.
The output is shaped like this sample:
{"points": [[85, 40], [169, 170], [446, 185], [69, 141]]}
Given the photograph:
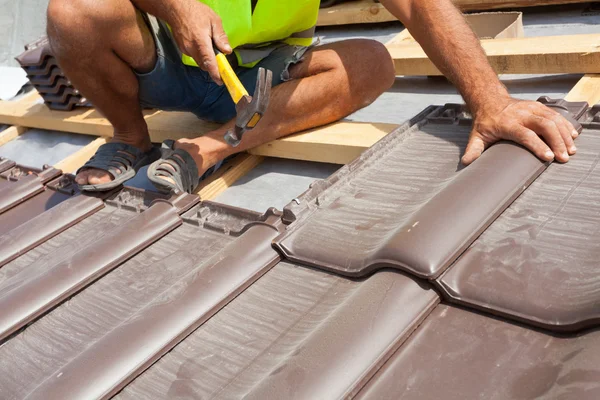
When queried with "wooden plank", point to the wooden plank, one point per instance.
{"points": [[162, 124], [535, 55], [76, 160], [356, 12], [176, 125], [31, 112], [227, 175], [403, 37], [488, 25], [342, 147], [367, 11], [337, 143], [11, 133], [587, 89], [481, 5]]}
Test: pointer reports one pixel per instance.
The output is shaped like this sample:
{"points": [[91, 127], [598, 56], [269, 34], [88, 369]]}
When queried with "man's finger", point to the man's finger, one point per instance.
{"points": [[564, 126], [205, 58], [532, 141], [566, 130], [219, 37], [547, 129], [475, 147]]}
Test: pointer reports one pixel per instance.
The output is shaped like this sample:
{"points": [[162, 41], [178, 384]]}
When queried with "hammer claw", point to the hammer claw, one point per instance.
{"points": [[250, 110], [266, 88]]}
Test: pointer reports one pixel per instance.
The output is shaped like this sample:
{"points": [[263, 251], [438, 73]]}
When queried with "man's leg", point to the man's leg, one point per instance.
{"points": [[98, 44], [331, 82]]}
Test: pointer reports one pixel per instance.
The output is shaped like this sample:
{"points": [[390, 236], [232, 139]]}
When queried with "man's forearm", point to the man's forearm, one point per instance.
{"points": [[450, 43], [166, 10]]}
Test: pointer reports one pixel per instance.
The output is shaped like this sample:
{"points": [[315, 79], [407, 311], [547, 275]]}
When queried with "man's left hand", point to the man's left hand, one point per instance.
{"points": [[539, 128]]}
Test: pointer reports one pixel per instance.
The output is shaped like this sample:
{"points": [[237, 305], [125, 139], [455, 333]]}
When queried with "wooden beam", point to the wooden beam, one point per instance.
{"points": [[535, 55], [367, 11], [587, 89], [11, 133], [76, 160], [162, 124], [403, 37], [342, 147], [227, 175], [488, 25], [31, 112], [480, 5], [337, 143]]}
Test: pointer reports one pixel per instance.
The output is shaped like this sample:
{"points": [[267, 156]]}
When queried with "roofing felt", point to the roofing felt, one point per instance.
{"points": [[142, 295]]}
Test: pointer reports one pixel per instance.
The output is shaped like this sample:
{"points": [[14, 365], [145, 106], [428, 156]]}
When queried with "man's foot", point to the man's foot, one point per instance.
{"points": [[181, 167], [113, 164], [96, 176]]}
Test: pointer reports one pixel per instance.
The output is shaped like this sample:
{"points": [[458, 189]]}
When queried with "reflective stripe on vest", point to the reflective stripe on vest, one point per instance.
{"points": [[254, 35]]}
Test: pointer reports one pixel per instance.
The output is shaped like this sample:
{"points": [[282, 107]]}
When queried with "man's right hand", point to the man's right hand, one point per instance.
{"points": [[195, 28]]}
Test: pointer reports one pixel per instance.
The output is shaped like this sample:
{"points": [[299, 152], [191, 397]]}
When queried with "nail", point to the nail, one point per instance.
{"points": [[573, 149], [549, 155], [565, 155], [574, 133]]}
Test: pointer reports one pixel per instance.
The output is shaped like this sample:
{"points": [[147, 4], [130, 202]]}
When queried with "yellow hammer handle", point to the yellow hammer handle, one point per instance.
{"points": [[234, 86]]}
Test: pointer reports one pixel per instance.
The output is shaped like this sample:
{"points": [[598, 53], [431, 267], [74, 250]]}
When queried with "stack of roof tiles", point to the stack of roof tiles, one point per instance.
{"points": [[403, 275], [46, 76]]}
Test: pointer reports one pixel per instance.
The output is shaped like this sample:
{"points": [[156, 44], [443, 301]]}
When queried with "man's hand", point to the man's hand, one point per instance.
{"points": [[539, 128], [195, 28]]}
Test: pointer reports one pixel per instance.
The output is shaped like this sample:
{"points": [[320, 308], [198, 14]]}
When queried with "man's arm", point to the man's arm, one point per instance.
{"points": [[195, 28], [450, 43]]}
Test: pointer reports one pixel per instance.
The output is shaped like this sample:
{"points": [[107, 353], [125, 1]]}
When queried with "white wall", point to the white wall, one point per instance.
{"points": [[21, 21]]}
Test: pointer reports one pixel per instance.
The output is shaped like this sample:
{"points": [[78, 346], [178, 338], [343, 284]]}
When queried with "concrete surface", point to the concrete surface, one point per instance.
{"points": [[276, 182]]}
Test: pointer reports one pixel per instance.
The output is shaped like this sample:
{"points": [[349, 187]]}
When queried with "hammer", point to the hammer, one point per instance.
{"points": [[249, 109]]}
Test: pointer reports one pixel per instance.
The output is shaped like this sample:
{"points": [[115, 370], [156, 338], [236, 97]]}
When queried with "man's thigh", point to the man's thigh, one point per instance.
{"points": [[174, 86], [170, 85], [218, 105]]}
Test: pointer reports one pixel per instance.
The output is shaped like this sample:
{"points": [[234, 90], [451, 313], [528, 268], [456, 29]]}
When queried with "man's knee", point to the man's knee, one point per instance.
{"points": [[84, 20], [377, 67]]}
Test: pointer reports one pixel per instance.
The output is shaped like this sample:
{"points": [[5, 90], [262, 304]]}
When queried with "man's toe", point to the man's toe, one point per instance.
{"points": [[82, 178], [97, 177]]}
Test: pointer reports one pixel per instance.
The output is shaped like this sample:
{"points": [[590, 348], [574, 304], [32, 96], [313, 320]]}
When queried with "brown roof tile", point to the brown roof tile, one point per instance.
{"points": [[457, 354], [407, 203], [153, 287], [45, 75], [18, 185], [297, 333], [164, 297], [538, 262]]}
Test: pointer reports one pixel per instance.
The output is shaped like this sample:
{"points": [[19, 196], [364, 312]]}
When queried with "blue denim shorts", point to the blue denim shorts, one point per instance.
{"points": [[174, 86]]}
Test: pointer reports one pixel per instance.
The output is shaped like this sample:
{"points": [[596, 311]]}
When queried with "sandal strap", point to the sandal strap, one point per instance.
{"points": [[177, 165], [115, 158]]}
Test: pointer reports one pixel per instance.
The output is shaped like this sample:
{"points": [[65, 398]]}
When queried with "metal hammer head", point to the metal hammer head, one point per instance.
{"points": [[250, 110]]}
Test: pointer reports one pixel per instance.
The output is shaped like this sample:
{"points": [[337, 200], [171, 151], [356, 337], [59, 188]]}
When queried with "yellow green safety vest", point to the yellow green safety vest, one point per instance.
{"points": [[252, 32]]}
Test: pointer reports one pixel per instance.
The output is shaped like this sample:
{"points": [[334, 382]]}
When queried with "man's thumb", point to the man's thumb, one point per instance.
{"points": [[475, 147], [220, 38]]}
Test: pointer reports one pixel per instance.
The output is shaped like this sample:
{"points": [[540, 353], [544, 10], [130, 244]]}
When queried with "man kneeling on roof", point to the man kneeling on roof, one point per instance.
{"points": [[124, 55]]}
